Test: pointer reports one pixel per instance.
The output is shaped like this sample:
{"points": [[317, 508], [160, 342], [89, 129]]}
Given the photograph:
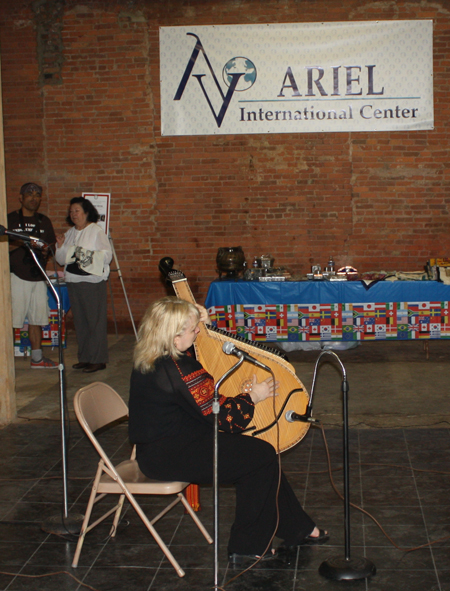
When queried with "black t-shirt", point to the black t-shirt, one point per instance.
{"points": [[20, 260]]}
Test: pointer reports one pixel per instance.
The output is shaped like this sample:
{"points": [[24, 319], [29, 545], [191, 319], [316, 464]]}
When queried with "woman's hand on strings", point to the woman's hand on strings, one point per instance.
{"points": [[262, 390]]}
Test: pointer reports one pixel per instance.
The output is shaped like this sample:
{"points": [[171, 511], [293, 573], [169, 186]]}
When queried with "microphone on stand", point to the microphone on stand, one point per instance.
{"points": [[26, 237], [340, 568], [292, 416], [230, 349]]}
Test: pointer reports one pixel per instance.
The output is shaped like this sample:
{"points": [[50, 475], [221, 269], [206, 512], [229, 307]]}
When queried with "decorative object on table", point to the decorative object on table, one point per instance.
{"points": [[272, 274], [231, 261], [438, 269], [350, 273], [371, 278], [408, 276], [263, 270], [329, 270], [444, 275], [253, 274], [440, 261], [318, 275], [272, 278], [432, 271], [267, 261], [316, 272]]}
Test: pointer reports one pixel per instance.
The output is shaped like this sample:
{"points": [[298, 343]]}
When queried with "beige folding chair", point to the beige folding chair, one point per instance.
{"points": [[96, 406]]}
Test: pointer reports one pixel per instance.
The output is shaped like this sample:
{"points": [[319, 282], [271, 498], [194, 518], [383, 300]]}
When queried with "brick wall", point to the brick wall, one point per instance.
{"points": [[373, 200]]}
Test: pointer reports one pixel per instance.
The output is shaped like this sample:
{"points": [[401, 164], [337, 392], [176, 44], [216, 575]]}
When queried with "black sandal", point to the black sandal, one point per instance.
{"points": [[307, 541], [315, 540]]}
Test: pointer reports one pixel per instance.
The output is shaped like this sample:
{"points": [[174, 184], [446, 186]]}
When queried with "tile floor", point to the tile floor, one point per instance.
{"points": [[401, 476]]}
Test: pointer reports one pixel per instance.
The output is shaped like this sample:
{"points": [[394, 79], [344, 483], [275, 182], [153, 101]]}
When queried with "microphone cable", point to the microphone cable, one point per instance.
{"points": [[358, 508], [277, 449]]}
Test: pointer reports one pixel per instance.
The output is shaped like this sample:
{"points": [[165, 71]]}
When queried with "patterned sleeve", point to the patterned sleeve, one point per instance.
{"points": [[235, 413]]}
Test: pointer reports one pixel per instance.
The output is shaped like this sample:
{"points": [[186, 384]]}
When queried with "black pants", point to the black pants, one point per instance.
{"points": [[252, 466]]}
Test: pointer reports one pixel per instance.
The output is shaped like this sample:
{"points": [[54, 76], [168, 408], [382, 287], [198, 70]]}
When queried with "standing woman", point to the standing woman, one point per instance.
{"points": [[85, 252]]}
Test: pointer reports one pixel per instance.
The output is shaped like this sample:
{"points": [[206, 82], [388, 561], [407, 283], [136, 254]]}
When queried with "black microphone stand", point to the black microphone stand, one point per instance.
{"points": [[59, 524], [215, 410], [340, 568]]}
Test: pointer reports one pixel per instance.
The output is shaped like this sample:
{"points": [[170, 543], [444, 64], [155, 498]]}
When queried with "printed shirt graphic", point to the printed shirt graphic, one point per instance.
{"points": [[21, 262], [90, 261]]}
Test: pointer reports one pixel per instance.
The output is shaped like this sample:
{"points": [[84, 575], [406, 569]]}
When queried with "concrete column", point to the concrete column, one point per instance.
{"points": [[7, 374]]}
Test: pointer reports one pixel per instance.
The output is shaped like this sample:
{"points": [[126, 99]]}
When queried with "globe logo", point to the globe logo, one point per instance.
{"points": [[240, 65]]}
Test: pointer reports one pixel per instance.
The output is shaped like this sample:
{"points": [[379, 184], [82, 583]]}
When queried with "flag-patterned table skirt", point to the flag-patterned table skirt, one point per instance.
{"points": [[335, 322], [22, 345]]}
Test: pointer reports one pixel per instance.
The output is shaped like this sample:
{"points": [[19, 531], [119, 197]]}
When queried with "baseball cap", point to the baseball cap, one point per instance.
{"points": [[30, 188]]}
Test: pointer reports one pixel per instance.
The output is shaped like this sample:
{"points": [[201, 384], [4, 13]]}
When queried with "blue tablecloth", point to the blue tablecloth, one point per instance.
{"points": [[222, 293], [330, 310], [63, 294]]}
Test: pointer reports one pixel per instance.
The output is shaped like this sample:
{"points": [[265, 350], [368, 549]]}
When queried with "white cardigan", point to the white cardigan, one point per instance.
{"points": [[91, 237]]}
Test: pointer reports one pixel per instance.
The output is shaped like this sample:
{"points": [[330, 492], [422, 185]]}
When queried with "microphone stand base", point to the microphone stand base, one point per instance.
{"points": [[339, 568], [63, 526]]}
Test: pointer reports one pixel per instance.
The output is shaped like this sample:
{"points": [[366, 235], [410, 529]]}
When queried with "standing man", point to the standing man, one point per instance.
{"points": [[28, 286]]}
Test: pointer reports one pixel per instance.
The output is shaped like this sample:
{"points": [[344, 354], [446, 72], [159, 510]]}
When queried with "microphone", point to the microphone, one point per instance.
{"points": [[292, 416], [26, 237], [230, 349]]}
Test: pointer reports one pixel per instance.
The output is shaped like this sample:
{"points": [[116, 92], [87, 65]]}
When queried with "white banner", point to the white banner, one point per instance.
{"points": [[297, 78]]}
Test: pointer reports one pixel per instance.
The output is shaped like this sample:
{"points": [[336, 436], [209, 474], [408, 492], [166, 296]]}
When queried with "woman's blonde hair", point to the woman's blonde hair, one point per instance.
{"points": [[162, 322]]}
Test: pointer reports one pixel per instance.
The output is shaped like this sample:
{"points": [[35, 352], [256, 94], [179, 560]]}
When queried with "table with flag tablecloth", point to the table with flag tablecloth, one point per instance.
{"points": [[298, 311], [22, 345]]}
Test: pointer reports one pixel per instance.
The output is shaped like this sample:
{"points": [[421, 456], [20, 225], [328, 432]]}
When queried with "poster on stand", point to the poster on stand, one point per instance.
{"points": [[102, 202]]}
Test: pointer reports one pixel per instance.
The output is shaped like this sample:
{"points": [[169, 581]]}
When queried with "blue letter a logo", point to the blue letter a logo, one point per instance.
{"points": [[187, 73]]}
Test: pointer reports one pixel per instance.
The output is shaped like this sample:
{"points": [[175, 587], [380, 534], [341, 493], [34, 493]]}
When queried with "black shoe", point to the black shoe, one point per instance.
{"points": [[316, 540], [308, 541], [80, 365], [91, 367]]}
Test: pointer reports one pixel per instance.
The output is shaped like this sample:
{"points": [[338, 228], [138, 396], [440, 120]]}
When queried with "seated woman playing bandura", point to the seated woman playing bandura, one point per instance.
{"points": [[171, 423]]}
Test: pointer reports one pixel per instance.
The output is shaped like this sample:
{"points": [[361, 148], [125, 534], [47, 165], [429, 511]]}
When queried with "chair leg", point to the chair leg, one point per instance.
{"points": [[166, 510], [87, 516], [113, 530], [155, 534], [197, 521]]}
